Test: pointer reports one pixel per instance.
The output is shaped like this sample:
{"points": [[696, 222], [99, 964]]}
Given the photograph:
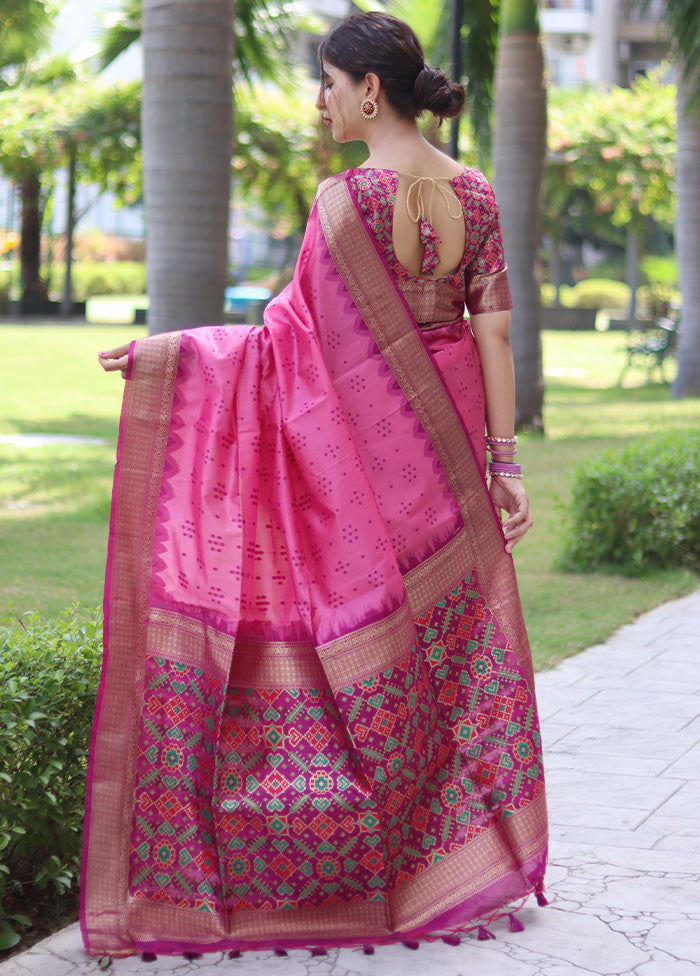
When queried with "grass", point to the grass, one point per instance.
{"points": [[586, 413], [54, 499]]}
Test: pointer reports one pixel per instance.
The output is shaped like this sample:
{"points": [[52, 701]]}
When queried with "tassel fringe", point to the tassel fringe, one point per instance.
{"points": [[411, 944], [451, 940], [234, 954], [281, 952], [539, 895], [191, 956], [514, 923], [148, 957], [318, 951], [368, 950], [484, 934]]}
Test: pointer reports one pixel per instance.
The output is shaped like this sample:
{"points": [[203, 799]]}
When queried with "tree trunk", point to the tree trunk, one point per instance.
{"points": [[519, 152], [30, 245], [187, 142], [687, 382], [67, 300], [632, 267]]}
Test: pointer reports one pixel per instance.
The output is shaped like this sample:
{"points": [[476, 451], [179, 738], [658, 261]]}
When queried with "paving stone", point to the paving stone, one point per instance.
{"points": [[653, 895], [679, 939], [663, 965]]}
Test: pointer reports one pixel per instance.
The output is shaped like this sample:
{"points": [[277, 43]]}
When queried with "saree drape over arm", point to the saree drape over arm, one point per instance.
{"points": [[316, 721]]}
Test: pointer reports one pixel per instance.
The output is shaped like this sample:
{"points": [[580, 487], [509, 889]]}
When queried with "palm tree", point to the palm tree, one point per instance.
{"points": [[25, 27], [187, 136], [519, 144], [683, 19]]}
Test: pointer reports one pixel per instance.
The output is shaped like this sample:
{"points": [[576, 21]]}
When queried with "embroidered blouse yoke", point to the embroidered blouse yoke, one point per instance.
{"points": [[480, 281]]}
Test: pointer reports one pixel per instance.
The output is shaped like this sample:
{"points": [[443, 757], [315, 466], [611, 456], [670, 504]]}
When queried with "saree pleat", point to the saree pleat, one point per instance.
{"points": [[316, 722]]}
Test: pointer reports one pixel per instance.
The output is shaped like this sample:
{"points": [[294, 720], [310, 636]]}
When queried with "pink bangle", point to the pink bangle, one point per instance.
{"points": [[504, 470]]}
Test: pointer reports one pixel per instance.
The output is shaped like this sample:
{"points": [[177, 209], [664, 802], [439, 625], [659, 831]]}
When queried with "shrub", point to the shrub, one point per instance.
{"points": [[548, 294], [101, 278], [637, 509], [50, 671], [599, 293], [660, 270]]}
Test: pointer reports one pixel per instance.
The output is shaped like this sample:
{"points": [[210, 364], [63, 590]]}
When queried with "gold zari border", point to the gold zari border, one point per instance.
{"points": [[369, 650], [390, 322], [145, 422], [236, 661]]}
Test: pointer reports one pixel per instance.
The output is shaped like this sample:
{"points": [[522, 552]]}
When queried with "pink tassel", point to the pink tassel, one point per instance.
{"points": [[368, 950], [191, 956], [539, 895], [281, 952], [318, 951], [451, 940], [148, 956], [514, 923], [234, 954], [484, 934], [411, 944]]}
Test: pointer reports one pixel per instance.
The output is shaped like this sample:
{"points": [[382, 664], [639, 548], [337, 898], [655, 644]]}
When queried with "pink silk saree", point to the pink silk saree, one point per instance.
{"points": [[316, 722]]}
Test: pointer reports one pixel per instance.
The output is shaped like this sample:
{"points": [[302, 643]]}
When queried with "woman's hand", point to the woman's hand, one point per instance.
{"points": [[115, 359], [509, 495]]}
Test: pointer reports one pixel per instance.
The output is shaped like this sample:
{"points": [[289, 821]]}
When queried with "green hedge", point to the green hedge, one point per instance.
{"points": [[49, 671], [611, 295], [638, 508], [101, 278]]}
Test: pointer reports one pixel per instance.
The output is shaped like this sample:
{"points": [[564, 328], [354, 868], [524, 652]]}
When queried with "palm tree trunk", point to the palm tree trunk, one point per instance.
{"points": [[187, 142], [519, 142], [687, 382]]}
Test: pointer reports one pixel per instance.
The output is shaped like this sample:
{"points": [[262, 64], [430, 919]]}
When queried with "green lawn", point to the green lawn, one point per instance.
{"points": [[54, 499]]}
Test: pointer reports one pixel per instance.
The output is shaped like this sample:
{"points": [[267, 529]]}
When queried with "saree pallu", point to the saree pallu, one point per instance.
{"points": [[316, 722]]}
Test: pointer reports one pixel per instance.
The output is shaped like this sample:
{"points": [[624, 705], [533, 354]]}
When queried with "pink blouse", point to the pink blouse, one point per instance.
{"points": [[480, 281]]}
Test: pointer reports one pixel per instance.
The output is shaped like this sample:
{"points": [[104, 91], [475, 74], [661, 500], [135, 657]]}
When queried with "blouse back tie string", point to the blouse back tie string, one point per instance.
{"points": [[415, 208]]}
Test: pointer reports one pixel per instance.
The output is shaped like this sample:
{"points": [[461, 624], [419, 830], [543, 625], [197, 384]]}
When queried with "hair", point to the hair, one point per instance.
{"points": [[379, 43]]}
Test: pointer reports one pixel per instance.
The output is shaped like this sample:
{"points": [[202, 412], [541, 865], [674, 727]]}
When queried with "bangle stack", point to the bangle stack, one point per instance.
{"points": [[502, 451]]}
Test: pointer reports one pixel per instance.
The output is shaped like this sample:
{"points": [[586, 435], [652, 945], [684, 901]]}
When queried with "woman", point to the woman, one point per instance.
{"points": [[316, 723]]}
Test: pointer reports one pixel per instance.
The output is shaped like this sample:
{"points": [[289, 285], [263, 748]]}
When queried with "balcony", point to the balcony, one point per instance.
{"points": [[640, 27], [567, 18]]}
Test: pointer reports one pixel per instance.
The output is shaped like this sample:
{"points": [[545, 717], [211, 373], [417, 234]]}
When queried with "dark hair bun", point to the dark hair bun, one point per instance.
{"points": [[434, 91]]}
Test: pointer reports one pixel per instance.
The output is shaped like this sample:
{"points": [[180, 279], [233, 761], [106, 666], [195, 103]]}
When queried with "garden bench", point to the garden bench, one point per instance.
{"points": [[649, 347]]}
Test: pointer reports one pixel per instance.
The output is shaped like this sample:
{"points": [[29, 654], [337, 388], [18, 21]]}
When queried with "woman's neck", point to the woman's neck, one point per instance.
{"points": [[397, 144]]}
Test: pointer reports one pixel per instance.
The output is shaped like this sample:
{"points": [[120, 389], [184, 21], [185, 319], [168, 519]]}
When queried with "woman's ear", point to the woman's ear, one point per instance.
{"points": [[372, 85]]}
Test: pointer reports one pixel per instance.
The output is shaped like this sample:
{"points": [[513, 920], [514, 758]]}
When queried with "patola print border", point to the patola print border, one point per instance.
{"points": [[357, 257], [473, 874]]}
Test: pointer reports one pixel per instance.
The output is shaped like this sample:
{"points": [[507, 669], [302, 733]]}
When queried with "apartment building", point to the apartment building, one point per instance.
{"points": [[603, 42]]}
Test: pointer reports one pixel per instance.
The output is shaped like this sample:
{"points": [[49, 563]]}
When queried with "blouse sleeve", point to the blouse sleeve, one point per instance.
{"points": [[487, 288]]}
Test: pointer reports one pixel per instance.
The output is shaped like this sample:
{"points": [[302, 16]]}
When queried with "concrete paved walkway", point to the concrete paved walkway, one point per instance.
{"points": [[621, 727]]}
